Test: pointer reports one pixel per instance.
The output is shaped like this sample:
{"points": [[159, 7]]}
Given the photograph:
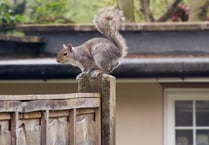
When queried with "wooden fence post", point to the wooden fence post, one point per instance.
{"points": [[105, 85]]}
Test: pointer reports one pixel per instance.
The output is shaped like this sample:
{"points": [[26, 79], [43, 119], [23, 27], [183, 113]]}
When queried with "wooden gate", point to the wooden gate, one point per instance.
{"points": [[50, 119]]}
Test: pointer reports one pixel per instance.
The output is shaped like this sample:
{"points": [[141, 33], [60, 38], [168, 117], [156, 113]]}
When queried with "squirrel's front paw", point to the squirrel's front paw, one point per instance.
{"points": [[95, 73]]}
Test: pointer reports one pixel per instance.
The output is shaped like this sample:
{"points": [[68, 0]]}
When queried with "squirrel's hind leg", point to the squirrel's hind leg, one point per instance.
{"points": [[114, 65], [102, 63], [97, 72], [81, 75]]}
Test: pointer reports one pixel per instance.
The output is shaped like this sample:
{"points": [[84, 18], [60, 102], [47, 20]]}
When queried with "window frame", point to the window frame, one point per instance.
{"points": [[180, 94]]}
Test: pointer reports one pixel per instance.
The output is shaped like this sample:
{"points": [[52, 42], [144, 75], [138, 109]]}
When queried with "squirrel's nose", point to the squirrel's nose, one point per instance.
{"points": [[58, 60]]}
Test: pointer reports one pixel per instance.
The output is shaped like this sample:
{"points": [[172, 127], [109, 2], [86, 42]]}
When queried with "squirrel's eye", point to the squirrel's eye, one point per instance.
{"points": [[65, 53]]}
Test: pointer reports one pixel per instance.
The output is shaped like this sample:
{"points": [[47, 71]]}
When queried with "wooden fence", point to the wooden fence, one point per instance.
{"points": [[50, 119], [84, 118]]}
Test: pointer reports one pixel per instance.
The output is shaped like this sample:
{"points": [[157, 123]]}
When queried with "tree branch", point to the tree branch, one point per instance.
{"points": [[169, 11], [146, 10], [204, 9], [198, 10]]}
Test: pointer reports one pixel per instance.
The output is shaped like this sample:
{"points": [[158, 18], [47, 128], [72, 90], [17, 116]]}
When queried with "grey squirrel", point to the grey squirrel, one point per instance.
{"points": [[98, 55]]}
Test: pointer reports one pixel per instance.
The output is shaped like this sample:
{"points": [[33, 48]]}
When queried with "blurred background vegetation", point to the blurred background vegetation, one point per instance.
{"points": [[79, 11], [83, 11]]}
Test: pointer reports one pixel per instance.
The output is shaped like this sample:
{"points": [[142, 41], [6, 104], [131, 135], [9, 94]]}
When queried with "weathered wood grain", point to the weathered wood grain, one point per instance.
{"points": [[44, 127], [98, 126], [5, 116], [14, 128], [30, 115], [52, 114], [30, 106], [106, 85], [108, 110], [47, 97], [16, 109], [85, 111], [72, 135]]}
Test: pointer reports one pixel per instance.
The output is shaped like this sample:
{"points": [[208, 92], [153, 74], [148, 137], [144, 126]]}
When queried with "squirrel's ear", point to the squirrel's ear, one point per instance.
{"points": [[69, 47], [64, 46]]}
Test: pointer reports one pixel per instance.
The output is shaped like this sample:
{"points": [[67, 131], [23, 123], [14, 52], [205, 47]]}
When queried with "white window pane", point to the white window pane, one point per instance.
{"points": [[202, 113], [202, 137], [183, 113], [184, 137]]}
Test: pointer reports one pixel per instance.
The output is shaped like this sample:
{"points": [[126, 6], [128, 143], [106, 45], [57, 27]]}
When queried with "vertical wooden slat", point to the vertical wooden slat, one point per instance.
{"points": [[72, 130], [98, 126], [44, 127], [14, 128]]}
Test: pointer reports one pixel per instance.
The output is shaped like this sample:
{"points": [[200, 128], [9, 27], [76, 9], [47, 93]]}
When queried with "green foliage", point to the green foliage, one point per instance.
{"points": [[83, 11], [65, 11], [7, 16], [50, 11]]}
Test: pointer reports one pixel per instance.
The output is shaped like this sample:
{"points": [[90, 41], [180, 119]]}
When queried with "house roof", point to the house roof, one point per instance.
{"points": [[155, 50], [129, 68], [159, 26]]}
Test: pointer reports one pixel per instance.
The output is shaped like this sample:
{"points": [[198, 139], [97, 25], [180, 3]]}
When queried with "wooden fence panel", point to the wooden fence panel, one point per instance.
{"points": [[72, 119]]}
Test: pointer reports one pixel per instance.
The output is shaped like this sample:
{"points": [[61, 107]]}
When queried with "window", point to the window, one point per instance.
{"points": [[186, 117]]}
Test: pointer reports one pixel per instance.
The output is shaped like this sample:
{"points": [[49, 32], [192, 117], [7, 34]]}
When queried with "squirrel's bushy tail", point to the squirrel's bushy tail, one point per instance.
{"points": [[108, 21]]}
